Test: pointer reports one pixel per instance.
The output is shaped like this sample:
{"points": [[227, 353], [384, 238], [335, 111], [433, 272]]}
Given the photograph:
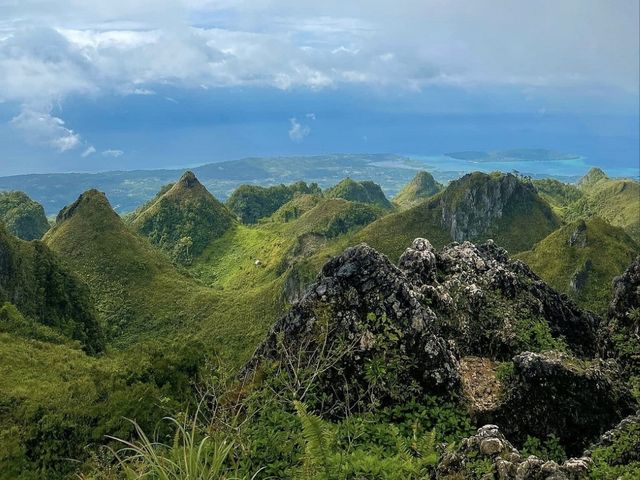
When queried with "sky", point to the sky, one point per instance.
{"points": [[90, 85]]}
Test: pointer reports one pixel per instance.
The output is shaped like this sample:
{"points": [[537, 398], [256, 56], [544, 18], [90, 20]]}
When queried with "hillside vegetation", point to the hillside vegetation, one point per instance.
{"points": [[23, 217], [615, 200], [362, 192], [183, 219], [582, 258], [251, 202], [136, 290], [42, 289], [558, 194]]}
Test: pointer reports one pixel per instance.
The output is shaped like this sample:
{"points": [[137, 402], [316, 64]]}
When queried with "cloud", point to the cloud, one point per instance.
{"points": [[297, 131], [42, 128], [90, 150], [112, 153], [311, 116], [93, 48], [198, 43]]}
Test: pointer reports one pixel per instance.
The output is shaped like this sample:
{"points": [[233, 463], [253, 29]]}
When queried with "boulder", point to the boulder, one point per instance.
{"points": [[488, 454]]}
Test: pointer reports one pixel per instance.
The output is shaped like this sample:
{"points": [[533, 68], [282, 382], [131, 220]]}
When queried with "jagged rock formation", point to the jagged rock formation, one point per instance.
{"points": [[494, 307], [469, 460], [479, 206], [34, 280], [421, 187], [553, 393], [183, 219], [22, 217], [363, 192], [380, 340], [579, 236], [626, 293], [581, 276], [621, 331], [393, 332]]}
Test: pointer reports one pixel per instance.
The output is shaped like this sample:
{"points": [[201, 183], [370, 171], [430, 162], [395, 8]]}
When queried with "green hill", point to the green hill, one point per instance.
{"points": [[499, 206], [593, 176], [476, 207], [44, 291], [22, 216], [251, 202], [615, 200], [421, 187], [183, 219], [362, 192], [582, 258], [136, 289]]}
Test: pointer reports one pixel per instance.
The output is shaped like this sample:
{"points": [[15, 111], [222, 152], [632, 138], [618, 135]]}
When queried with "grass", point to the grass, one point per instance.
{"points": [[190, 455]]}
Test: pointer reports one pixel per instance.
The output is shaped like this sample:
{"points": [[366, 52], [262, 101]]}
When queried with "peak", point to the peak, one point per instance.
{"points": [[347, 181], [91, 199], [422, 180], [363, 192], [423, 175], [421, 187], [188, 180], [594, 175]]}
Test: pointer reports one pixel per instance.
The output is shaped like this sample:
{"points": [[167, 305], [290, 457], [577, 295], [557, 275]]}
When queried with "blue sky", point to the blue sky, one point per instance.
{"points": [[91, 86]]}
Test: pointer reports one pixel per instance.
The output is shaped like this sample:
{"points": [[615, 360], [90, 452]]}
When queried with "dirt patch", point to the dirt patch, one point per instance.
{"points": [[480, 383]]}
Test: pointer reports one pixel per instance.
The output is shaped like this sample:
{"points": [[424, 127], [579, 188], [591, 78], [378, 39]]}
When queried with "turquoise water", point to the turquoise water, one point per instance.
{"points": [[446, 168]]}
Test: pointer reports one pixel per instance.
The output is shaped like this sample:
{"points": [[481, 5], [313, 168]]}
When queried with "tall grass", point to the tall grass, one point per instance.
{"points": [[191, 455]]}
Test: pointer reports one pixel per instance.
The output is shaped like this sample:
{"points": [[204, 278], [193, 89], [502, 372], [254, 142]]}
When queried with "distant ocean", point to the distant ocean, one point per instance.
{"points": [[446, 167]]}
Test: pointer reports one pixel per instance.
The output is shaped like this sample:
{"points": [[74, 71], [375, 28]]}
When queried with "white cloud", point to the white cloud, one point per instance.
{"points": [[298, 131], [112, 153], [122, 46], [311, 116], [42, 128], [90, 150]]}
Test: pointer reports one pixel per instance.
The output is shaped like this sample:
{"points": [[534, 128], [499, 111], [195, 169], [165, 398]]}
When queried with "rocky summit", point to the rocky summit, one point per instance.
{"points": [[489, 305], [376, 333], [368, 322], [556, 394]]}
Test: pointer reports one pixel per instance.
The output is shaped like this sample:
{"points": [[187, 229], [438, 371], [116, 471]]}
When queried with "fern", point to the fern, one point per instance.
{"points": [[319, 438]]}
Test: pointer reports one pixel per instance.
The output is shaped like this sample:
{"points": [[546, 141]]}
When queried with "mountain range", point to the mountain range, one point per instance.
{"points": [[495, 299]]}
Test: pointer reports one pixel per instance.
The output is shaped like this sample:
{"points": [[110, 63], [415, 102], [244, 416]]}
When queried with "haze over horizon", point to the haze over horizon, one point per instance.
{"points": [[91, 87]]}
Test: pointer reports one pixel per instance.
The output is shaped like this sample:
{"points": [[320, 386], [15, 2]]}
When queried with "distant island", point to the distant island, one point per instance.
{"points": [[513, 155]]}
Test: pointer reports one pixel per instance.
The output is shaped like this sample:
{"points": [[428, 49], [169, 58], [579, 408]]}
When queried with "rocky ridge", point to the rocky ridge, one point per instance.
{"points": [[389, 333]]}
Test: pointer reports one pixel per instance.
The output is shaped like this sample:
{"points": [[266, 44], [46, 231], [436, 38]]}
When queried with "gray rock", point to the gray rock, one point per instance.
{"points": [[507, 463]]}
